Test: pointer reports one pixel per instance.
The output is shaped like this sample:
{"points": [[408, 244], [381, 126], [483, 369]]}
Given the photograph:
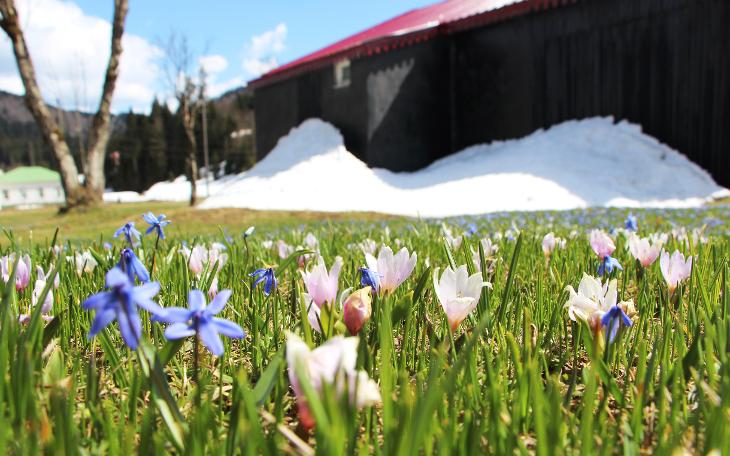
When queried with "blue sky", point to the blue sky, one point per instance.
{"points": [[240, 39]]}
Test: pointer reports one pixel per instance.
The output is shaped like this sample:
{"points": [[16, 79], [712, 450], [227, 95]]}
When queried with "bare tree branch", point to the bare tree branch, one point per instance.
{"points": [[99, 131], [178, 59]]}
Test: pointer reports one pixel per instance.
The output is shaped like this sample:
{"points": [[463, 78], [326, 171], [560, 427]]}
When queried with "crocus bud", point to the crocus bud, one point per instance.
{"points": [[548, 244], [22, 275], [357, 310]]}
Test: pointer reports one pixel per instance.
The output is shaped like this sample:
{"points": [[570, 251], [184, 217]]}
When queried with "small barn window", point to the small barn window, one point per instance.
{"points": [[342, 73]]}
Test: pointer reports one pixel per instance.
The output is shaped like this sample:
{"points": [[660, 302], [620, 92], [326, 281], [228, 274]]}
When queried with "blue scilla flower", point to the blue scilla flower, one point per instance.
{"points": [[120, 303], [608, 264], [129, 231], [631, 224], [370, 278], [199, 320], [472, 229], [265, 275], [156, 223], [613, 320], [129, 263]]}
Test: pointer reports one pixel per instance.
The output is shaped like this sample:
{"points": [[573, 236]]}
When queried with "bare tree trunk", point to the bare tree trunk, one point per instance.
{"points": [[93, 162], [191, 162], [100, 127]]}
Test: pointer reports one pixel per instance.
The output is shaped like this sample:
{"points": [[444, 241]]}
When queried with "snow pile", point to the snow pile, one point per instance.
{"points": [[592, 162], [176, 190]]}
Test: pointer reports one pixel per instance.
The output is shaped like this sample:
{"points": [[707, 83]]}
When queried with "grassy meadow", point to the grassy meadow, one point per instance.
{"points": [[516, 376]]}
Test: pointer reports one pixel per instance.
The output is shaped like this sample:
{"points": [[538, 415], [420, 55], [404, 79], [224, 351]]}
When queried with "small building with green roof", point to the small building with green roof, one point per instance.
{"points": [[30, 186]]}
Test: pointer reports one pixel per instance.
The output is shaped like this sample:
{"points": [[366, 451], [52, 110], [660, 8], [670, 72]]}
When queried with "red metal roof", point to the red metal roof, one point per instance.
{"points": [[409, 28]]}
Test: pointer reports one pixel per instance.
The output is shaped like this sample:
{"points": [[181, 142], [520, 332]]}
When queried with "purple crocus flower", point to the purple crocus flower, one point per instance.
{"points": [[613, 320], [129, 232], [370, 278], [130, 264], [199, 319], [266, 276], [156, 223], [608, 264], [120, 303]]}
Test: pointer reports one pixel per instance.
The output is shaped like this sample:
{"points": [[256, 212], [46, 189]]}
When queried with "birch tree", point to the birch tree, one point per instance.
{"points": [[91, 191]]}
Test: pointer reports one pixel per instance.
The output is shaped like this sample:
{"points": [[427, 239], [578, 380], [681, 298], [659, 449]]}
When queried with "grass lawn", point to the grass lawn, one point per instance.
{"points": [[434, 362], [38, 225]]}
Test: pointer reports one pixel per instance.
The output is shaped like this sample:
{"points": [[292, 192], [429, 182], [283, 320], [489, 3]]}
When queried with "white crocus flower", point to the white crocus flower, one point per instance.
{"points": [[458, 293], [392, 269]]}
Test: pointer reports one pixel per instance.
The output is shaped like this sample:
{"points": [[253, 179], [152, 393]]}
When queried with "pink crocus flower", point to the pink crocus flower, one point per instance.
{"points": [[22, 275], [333, 363], [47, 304], [213, 290], [200, 257], [283, 249], [643, 251], [5, 265], [392, 269], [322, 285], [356, 310], [675, 269], [458, 293], [40, 284], [602, 244]]}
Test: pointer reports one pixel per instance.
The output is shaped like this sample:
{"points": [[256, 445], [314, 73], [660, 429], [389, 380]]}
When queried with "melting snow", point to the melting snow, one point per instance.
{"points": [[591, 162]]}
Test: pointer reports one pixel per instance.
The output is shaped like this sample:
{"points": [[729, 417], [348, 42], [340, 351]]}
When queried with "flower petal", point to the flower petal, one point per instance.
{"points": [[178, 331], [209, 336], [218, 303], [228, 328], [196, 300]]}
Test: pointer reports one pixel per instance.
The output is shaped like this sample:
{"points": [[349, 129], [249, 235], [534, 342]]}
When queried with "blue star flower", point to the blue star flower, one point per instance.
{"points": [[129, 232], [608, 264], [472, 229], [631, 223], [613, 320], [370, 278], [130, 264], [120, 303], [266, 276], [156, 223], [199, 319]]}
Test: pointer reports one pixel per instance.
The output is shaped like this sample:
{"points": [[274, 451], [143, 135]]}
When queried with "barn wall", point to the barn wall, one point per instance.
{"points": [[275, 113], [392, 115], [664, 64], [407, 101]]}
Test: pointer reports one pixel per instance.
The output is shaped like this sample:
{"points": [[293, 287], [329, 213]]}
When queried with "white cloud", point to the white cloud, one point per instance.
{"points": [[259, 54], [70, 51], [213, 64]]}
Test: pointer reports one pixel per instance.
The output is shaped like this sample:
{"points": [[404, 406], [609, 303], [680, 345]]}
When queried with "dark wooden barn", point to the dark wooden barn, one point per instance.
{"points": [[435, 80]]}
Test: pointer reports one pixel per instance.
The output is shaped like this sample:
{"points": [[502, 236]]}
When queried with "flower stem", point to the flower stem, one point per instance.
{"points": [[154, 254], [196, 366]]}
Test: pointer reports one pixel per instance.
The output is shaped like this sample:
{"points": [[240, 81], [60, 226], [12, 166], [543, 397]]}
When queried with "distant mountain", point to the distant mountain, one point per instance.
{"points": [[20, 139]]}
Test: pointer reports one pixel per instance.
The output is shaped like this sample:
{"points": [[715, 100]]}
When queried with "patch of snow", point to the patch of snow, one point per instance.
{"points": [[580, 163]]}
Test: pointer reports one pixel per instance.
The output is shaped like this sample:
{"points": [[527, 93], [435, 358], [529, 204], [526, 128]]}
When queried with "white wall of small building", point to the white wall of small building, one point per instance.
{"points": [[30, 194]]}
